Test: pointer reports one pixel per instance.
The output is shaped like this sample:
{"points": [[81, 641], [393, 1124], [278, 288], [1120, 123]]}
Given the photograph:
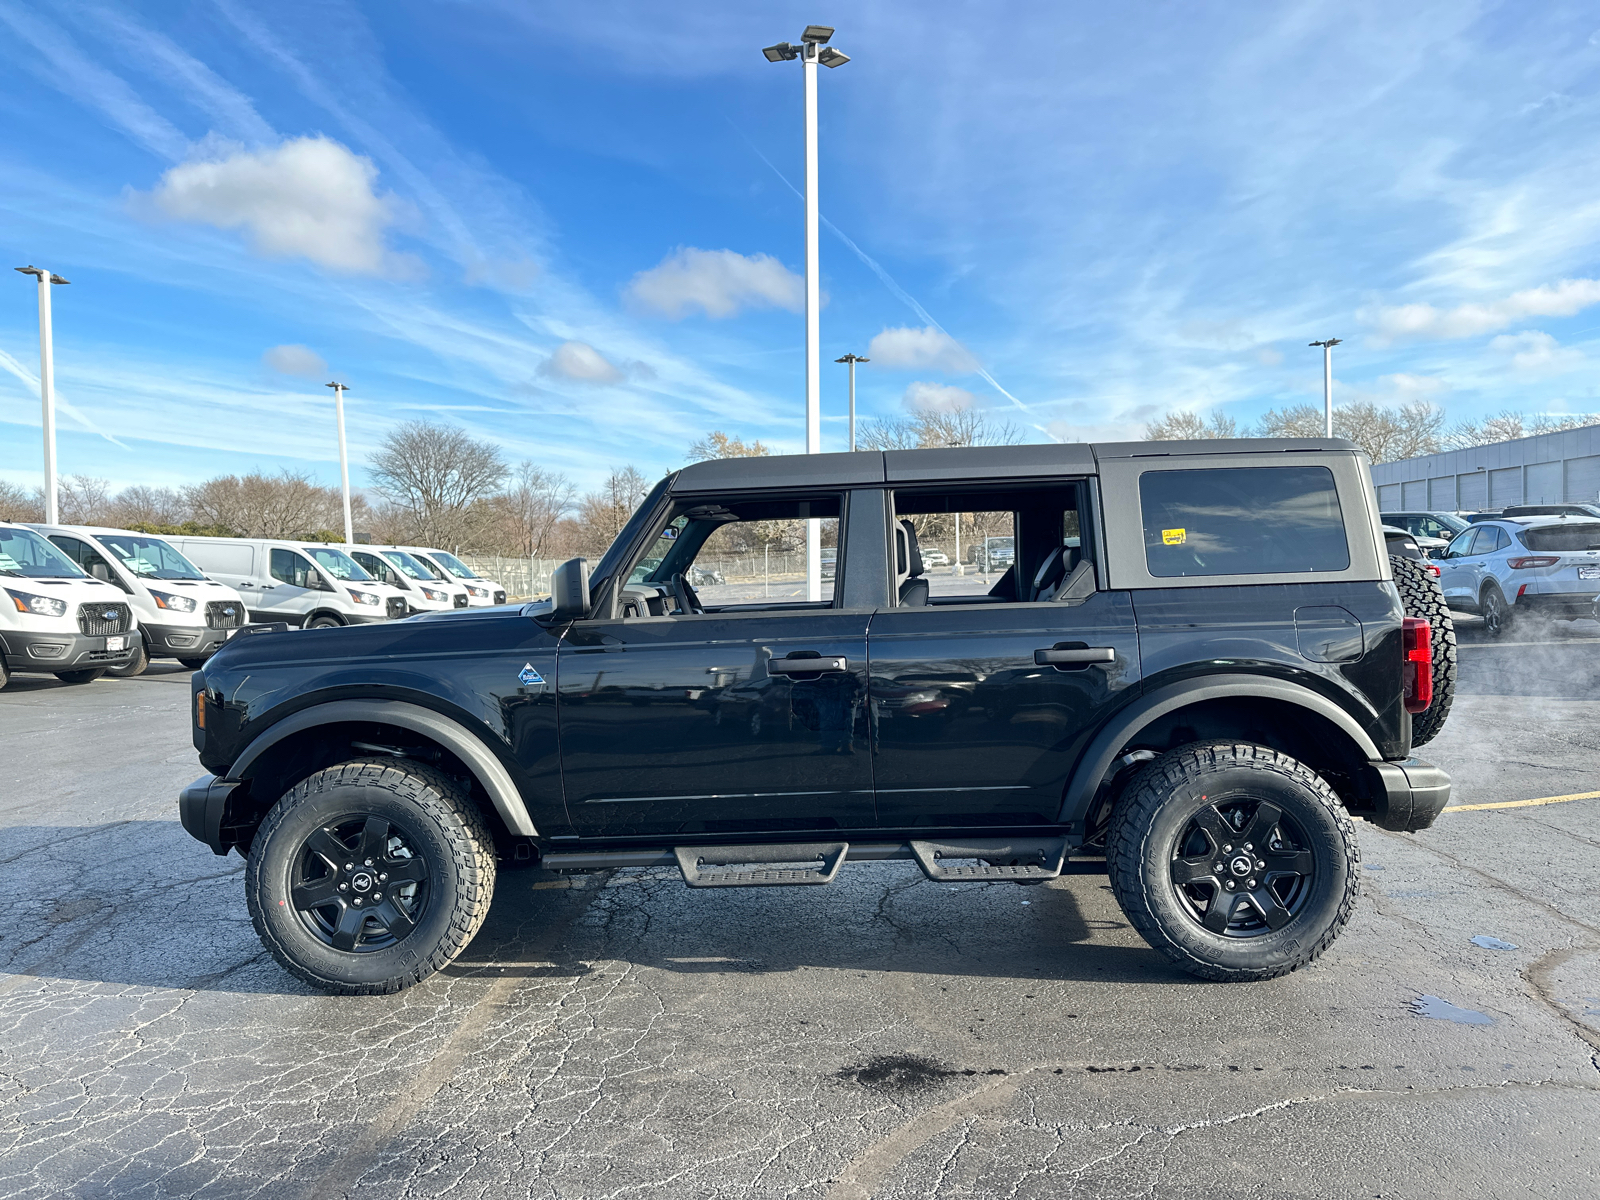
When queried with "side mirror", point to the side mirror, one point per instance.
{"points": [[569, 590]]}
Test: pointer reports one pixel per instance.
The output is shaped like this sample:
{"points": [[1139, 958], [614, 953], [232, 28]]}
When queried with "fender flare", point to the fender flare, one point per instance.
{"points": [[1096, 760], [324, 612], [489, 771]]}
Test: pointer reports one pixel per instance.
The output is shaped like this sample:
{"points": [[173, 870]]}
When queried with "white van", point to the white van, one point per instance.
{"points": [[425, 589], [181, 613], [55, 619], [309, 584], [481, 592]]}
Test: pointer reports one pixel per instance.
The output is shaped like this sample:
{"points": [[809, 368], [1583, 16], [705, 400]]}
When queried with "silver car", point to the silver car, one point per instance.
{"points": [[1506, 568]]}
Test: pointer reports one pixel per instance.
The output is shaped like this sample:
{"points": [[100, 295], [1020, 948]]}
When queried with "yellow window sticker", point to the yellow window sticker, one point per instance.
{"points": [[1173, 537]]}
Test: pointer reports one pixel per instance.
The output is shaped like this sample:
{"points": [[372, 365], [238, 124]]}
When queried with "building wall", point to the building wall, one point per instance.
{"points": [[1547, 469]]}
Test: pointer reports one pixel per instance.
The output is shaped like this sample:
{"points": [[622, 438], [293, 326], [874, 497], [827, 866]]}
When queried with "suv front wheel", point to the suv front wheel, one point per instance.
{"points": [[1235, 861], [368, 877]]}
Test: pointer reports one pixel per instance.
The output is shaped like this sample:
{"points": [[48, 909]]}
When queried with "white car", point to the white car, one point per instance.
{"points": [[481, 592], [181, 613], [935, 558], [310, 584], [425, 589], [55, 619]]}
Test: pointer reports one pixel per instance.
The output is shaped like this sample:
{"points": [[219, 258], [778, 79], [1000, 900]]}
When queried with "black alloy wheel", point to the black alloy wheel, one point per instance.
{"points": [[359, 883], [1496, 612], [1240, 867]]}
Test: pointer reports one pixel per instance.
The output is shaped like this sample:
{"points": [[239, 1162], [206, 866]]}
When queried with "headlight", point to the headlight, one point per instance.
{"points": [[363, 597], [39, 606], [481, 592], [175, 603], [433, 595]]}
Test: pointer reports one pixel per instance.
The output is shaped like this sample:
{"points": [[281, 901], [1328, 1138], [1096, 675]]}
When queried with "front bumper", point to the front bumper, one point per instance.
{"points": [[1409, 794], [201, 807], [182, 641], [36, 650]]}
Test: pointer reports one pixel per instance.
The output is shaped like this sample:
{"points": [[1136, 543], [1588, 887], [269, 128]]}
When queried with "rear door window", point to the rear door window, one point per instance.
{"points": [[1242, 521]]}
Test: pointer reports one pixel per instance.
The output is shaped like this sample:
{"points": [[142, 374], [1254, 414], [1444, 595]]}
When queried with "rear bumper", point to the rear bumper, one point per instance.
{"points": [[32, 650], [1409, 794], [1556, 604], [201, 806]]}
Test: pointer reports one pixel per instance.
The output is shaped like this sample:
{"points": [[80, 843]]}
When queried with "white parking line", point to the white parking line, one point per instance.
{"points": [[1508, 645]]}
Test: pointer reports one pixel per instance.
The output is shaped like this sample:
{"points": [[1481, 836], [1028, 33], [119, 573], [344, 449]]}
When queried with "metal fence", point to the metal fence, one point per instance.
{"points": [[529, 578], [523, 578]]}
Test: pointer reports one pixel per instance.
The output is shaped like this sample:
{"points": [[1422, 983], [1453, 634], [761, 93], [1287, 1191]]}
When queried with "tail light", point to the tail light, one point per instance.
{"points": [[1434, 567], [1537, 560], [1416, 640]]}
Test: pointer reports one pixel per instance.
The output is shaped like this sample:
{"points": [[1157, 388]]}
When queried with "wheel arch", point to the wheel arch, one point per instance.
{"points": [[275, 751], [325, 612], [1274, 712]]}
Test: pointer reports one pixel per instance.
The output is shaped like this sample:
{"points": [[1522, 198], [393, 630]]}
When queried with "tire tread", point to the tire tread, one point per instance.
{"points": [[1422, 596]]}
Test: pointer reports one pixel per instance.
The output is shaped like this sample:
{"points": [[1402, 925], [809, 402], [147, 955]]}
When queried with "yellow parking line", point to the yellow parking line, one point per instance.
{"points": [[1522, 803]]}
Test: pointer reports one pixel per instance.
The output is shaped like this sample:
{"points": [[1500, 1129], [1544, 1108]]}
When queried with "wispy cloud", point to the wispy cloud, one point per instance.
{"points": [[1424, 321]]}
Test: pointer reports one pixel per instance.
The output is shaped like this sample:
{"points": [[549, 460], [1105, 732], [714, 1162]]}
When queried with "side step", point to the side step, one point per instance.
{"points": [[827, 855], [992, 860]]}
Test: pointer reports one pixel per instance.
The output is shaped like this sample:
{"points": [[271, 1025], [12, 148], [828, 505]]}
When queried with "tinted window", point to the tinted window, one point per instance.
{"points": [[1242, 521], [1563, 537], [290, 568], [1462, 546], [71, 547]]}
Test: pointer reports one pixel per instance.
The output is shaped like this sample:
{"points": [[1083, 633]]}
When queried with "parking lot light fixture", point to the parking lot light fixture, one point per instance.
{"points": [[852, 359], [47, 386], [339, 390], [1327, 381], [812, 42]]}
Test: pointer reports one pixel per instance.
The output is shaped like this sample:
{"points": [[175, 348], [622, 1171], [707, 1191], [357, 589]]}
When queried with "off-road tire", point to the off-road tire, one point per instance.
{"points": [[1422, 596], [88, 675], [1158, 806], [437, 816], [135, 666]]}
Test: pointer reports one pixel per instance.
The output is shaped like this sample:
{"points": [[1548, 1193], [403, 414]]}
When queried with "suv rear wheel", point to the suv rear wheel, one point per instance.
{"points": [[370, 876], [1235, 861], [1496, 612]]}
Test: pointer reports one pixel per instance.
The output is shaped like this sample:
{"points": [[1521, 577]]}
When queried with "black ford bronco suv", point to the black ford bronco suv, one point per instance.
{"points": [[1196, 667]]}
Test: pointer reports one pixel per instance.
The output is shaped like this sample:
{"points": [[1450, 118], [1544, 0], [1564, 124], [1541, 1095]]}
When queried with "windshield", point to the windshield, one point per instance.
{"points": [[1562, 537], [149, 558], [338, 564], [409, 565], [24, 552], [453, 564]]}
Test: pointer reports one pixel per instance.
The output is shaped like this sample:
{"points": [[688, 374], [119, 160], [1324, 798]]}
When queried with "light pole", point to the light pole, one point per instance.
{"points": [[813, 49], [339, 390], [47, 387], [1327, 380], [852, 359]]}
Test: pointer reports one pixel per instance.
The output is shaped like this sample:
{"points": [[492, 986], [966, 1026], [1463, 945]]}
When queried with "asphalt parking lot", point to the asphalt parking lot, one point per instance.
{"points": [[619, 1035]]}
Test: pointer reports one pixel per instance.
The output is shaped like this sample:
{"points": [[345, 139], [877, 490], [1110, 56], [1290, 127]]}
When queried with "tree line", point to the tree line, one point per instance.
{"points": [[1385, 434]]}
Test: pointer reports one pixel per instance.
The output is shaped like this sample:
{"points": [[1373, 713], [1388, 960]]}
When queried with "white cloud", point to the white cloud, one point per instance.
{"points": [[937, 397], [1416, 321], [307, 197], [719, 282], [1535, 352], [581, 362], [301, 361], [1404, 386], [915, 349]]}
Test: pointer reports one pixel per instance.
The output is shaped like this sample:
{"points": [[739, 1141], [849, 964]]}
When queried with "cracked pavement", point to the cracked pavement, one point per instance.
{"points": [[619, 1035]]}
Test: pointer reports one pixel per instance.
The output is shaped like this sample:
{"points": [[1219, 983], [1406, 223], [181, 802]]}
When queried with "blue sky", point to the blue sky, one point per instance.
{"points": [[567, 227]]}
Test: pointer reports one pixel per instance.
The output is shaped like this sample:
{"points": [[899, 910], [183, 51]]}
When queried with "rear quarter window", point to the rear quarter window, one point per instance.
{"points": [[1242, 521], [1562, 537]]}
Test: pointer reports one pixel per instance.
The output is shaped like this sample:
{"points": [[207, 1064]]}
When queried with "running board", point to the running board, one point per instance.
{"points": [[992, 860], [827, 855]]}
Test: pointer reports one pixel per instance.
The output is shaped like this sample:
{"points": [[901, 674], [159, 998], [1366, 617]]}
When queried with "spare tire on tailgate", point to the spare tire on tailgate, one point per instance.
{"points": [[1423, 597]]}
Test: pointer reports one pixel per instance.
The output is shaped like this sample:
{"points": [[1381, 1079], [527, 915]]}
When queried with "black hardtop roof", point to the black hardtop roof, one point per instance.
{"points": [[864, 468]]}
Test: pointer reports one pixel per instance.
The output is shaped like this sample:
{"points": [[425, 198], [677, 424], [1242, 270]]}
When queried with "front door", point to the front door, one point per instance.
{"points": [[290, 593], [721, 701], [987, 684], [1461, 567]]}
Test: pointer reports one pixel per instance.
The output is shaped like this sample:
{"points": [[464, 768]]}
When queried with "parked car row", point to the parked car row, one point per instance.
{"points": [[86, 601]]}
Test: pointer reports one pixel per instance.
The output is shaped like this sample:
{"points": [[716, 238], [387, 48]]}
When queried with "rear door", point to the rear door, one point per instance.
{"points": [[983, 697]]}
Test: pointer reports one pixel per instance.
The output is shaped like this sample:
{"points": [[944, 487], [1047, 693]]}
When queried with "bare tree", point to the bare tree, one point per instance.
{"points": [[83, 500], [17, 504], [1507, 426], [1188, 426], [603, 513], [437, 473], [286, 505], [934, 428], [717, 444], [526, 513], [142, 505]]}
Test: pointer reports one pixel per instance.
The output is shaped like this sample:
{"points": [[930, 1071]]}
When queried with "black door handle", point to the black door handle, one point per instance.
{"points": [[808, 666], [1076, 658]]}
